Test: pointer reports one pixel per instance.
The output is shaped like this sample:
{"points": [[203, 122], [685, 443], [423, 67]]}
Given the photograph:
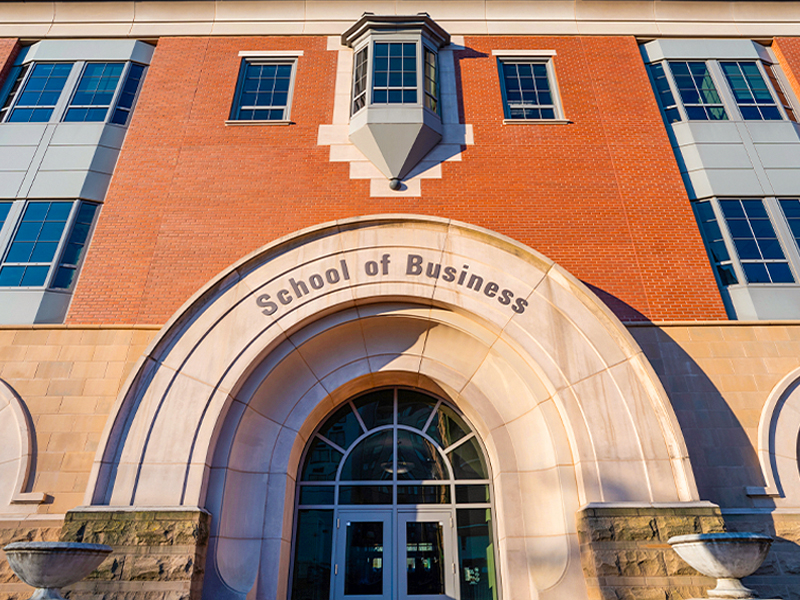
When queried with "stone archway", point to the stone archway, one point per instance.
{"points": [[219, 409]]}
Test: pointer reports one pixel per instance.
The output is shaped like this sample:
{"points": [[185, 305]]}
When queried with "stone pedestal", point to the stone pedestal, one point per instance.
{"points": [[159, 553]]}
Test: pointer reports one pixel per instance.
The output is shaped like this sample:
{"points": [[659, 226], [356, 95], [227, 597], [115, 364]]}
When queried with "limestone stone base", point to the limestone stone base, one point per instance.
{"points": [[625, 555], [159, 554]]}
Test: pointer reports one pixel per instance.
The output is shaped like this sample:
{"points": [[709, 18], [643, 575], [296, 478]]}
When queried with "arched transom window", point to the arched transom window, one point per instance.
{"points": [[394, 501]]}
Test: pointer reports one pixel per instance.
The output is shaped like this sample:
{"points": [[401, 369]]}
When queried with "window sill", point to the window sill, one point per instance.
{"points": [[240, 123], [533, 121]]}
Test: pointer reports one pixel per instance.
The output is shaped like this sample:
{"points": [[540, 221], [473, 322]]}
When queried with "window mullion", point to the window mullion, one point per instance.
{"points": [[784, 234], [674, 89], [723, 89], [70, 88], [736, 262], [73, 214], [10, 226]]}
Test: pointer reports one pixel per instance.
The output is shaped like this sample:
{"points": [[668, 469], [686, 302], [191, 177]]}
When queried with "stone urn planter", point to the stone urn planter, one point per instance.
{"points": [[49, 566], [726, 556]]}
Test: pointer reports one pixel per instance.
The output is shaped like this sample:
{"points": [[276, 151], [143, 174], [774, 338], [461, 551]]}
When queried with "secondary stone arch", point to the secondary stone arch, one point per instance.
{"points": [[282, 335]]}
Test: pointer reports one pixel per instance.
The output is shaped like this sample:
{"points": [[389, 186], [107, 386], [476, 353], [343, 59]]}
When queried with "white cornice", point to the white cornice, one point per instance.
{"points": [[148, 19]]}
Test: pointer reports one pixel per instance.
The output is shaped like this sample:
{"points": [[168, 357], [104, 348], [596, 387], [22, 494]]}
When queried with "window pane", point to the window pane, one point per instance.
{"points": [[424, 558], [476, 554], [371, 459], [423, 494], [342, 428], [42, 90], [365, 494], [472, 494], [447, 427], [321, 462], [527, 90], [312, 561], [413, 408], [363, 574], [467, 460], [394, 81], [376, 408], [750, 91], [76, 245], [265, 87], [316, 494], [697, 91], [417, 458]]}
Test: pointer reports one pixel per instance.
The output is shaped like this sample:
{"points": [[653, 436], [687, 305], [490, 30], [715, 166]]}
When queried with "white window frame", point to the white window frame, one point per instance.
{"points": [[265, 57], [538, 56], [421, 45]]}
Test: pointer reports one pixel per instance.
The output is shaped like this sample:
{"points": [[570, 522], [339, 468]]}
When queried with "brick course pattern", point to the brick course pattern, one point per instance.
{"points": [[602, 195], [9, 48]]}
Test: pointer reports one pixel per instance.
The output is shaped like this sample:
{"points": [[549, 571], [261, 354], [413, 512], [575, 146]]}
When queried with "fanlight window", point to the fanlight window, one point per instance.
{"points": [[386, 451]]}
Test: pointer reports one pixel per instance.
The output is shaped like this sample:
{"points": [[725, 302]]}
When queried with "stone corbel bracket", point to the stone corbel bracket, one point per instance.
{"points": [[14, 415], [778, 429]]}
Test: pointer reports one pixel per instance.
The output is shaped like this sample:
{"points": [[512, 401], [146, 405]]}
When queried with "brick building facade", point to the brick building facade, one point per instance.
{"points": [[254, 313]]}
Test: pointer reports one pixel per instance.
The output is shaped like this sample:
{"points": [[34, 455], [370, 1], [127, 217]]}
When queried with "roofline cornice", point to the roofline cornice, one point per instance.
{"points": [[642, 18]]}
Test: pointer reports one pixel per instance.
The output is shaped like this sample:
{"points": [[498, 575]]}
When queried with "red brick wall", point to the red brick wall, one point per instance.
{"points": [[602, 196], [787, 51], [8, 52]]}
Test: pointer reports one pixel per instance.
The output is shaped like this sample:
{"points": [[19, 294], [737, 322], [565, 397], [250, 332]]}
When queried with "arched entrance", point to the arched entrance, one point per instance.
{"points": [[394, 502], [221, 408]]}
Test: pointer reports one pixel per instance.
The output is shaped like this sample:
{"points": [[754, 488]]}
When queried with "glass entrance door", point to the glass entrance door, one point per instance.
{"points": [[369, 566], [426, 568], [363, 567]]}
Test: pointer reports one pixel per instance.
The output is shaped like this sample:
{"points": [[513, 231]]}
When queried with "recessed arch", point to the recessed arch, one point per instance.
{"points": [[778, 443], [253, 362]]}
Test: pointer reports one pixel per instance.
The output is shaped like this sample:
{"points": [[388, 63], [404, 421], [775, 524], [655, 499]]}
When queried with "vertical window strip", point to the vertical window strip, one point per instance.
{"points": [[699, 95], [776, 85], [76, 246], [750, 91], [664, 92], [5, 208], [716, 243], [40, 93], [791, 211], [95, 92], [264, 92], [127, 96], [33, 248], [527, 89], [756, 243], [394, 76], [360, 80], [431, 84], [17, 74]]}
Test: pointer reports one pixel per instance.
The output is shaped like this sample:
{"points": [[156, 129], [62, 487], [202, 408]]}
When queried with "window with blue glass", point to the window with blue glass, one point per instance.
{"points": [[71, 91], [394, 75], [40, 94], [95, 92], [45, 234], [755, 241], [715, 243], [527, 90], [697, 91], [791, 211], [665, 95], [264, 91], [750, 91]]}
